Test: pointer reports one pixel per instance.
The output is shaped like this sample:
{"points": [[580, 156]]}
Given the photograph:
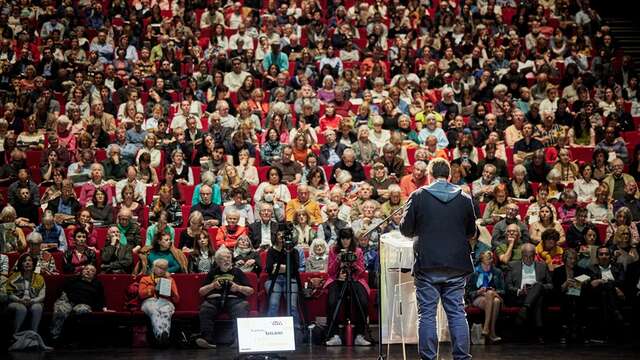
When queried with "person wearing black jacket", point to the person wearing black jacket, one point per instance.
{"points": [[116, 257], [276, 267], [226, 288], [262, 231], [81, 294], [350, 164], [569, 292]]}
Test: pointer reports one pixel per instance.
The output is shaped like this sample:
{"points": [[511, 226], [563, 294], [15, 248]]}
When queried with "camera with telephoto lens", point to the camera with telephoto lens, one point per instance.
{"points": [[225, 284], [348, 257], [286, 228]]}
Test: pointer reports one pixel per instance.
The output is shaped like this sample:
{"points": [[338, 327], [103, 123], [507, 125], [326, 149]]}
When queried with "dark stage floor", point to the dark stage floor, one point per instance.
{"points": [[506, 351]]}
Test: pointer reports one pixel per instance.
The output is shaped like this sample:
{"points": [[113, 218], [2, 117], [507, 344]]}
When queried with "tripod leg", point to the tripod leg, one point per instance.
{"points": [[363, 314], [336, 310]]}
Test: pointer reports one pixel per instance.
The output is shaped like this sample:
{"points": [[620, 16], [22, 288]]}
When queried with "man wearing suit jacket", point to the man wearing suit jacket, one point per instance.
{"points": [[527, 284], [605, 290], [262, 231]]}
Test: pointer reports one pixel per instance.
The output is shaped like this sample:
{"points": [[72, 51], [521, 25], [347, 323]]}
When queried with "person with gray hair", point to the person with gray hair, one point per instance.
{"points": [[158, 302], [115, 167], [415, 180], [44, 259], [483, 187], [527, 283], [53, 236], [225, 289]]}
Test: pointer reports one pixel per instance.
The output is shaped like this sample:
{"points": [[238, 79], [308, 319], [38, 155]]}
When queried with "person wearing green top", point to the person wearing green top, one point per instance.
{"points": [[511, 250], [161, 249], [161, 226]]}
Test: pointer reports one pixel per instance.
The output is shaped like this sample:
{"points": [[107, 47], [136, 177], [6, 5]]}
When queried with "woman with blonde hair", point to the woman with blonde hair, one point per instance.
{"points": [[12, 238], [195, 227], [304, 232], [149, 146], [231, 180]]}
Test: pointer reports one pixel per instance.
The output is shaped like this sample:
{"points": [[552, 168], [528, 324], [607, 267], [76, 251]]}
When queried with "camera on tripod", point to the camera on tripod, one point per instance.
{"points": [[286, 228], [348, 257]]}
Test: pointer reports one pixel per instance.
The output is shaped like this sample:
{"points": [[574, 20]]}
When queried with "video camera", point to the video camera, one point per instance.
{"points": [[286, 228], [348, 257]]}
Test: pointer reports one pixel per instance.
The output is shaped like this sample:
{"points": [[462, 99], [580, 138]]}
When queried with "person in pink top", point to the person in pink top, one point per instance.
{"points": [[97, 181]]}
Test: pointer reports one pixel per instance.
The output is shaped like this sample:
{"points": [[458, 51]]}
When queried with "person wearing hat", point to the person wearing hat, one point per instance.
{"points": [[275, 56]]}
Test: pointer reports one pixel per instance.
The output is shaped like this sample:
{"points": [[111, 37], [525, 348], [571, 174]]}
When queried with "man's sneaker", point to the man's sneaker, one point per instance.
{"points": [[361, 341], [204, 344], [334, 341]]}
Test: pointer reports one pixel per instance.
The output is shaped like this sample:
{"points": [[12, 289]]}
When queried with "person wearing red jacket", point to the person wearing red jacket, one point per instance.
{"points": [[228, 234]]}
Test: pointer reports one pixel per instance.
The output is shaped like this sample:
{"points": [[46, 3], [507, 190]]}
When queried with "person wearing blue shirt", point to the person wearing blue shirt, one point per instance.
{"points": [[431, 129], [275, 56]]}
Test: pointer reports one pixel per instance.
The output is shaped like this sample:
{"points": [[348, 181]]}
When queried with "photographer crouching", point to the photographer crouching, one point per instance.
{"points": [[346, 268]]}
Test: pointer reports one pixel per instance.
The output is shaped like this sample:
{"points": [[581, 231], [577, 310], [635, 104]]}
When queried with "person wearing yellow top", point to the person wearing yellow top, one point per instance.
{"points": [[304, 201]]}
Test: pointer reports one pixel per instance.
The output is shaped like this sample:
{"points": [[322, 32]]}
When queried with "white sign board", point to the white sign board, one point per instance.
{"points": [[272, 334]]}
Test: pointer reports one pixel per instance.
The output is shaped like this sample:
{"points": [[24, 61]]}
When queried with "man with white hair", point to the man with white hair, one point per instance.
{"points": [[483, 187], [430, 129], [304, 201], [53, 236], [415, 180], [225, 289]]}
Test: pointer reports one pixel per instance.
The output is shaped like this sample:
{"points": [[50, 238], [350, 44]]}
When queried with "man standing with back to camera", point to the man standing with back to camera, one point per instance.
{"points": [[441, 219]]}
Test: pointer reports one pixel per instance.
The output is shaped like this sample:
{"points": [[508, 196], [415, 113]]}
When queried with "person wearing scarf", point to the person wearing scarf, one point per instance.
{"points": [[485, 290], [158, 307]]}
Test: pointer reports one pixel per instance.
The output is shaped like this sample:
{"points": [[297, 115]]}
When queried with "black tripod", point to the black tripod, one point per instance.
{"points": [[347, 288]]}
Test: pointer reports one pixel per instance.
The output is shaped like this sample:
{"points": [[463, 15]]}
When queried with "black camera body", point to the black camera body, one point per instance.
{"points": [[286, 228], [348, 257]]}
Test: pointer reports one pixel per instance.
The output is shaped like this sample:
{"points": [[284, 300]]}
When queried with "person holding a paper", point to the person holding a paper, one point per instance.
{"points": [[226, 288], [568, 281], [442, 218], [527, 283], [606, 289], [158, 295]]}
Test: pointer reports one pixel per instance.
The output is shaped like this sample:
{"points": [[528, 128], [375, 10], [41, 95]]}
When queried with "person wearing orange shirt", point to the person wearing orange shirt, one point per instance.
{"points": [[228, 234], [432, 149], [418, 178], [303, 201]]}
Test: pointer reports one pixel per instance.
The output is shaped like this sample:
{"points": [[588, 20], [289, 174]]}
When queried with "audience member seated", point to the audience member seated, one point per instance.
{"points": [[100, 210], [499, 164], [486, 289], [392, 162], [511, 249], [81, 294], [225, 288], [498, 235], [23, 181], [130, 203], [568, 169], [317, 260], [630, 201], [617, 180], [623, 249], [162, 226], [601, 210], [547, 221], [239, 203], [12, 238], [304, 201], [417, 179], [157, 303], [613, 143], [537, 168], [66, 206], [228, 234], [139, 188], [568, 206], [146, 174], [528, 283], [262, 231], [519, 187], [166, 202], [290, 169], [339, 273], [79, 254], [53, 234], [548, 251], [129, 229], [211, 213], [245, 257], [44, 259], [605, 291], [541, 200], [26, 210], [570, 293], [96, 182], [115, 167], [117, 254], [25, 290], [201, 256], [524, 148], [496, 209], [348, 164], [79, 172], [304, 233]]}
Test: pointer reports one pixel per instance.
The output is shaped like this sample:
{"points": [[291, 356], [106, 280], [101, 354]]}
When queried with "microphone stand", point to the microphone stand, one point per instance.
{"points": [[379, 294]]}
